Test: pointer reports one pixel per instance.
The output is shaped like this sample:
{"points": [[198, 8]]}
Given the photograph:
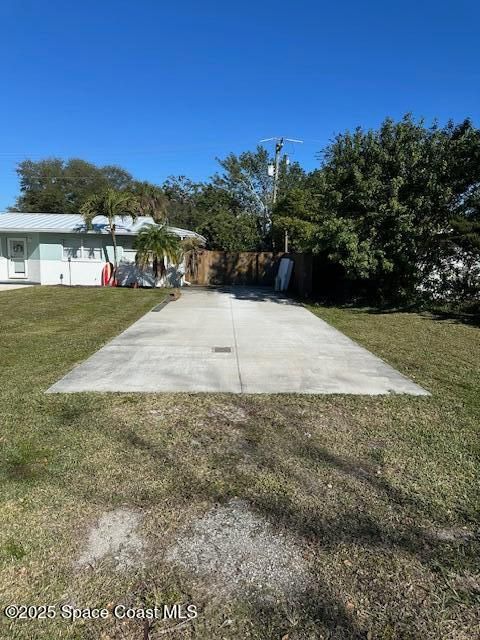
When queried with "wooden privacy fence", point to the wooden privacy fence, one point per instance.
{"points": [[248, 268], [224, 267]]}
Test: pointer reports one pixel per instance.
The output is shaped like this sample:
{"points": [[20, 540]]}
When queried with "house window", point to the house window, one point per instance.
{"points": [[72, 249], [82, 249], [91, 249]]}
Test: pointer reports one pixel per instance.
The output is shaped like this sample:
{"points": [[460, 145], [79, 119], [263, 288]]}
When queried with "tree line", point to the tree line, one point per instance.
{"points": [[392, 214], [233, 209]]}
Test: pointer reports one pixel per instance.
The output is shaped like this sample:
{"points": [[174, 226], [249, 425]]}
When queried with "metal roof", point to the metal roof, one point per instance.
{"points": [[74, 223]]}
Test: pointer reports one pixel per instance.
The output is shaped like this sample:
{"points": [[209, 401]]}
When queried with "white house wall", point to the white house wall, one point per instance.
{"points": [[77, 273], [55, 269], [3, 258]]}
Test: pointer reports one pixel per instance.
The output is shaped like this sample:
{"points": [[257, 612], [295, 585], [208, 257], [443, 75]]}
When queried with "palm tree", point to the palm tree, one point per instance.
{"points": [[152, 201], [112, 204], [154, 243], [191, 247]]}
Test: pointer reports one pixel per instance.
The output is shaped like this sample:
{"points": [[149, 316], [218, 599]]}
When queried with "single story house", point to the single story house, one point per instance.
{"points": [[57, 248]]}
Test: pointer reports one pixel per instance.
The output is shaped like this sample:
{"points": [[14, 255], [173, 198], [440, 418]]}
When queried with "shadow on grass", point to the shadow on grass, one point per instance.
{"points": [[361, 526], [315, 610], [472, 319], [469, 315], [383, 520], [358, 525], [24, 460]]}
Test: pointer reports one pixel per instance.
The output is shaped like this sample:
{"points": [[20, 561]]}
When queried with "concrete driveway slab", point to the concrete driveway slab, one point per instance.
{"points": [[236, 340], [10, 287]]}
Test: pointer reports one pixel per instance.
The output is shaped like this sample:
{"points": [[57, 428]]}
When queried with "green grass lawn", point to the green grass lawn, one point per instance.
{"points": [[380, 493]]}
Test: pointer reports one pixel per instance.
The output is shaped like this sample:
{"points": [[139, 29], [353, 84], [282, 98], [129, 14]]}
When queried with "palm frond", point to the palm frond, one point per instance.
{"points": [[152, 201], [111, 204], [154, 244], [91, 208]]}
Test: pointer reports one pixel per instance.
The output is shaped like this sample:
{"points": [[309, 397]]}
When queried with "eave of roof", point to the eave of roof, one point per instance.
{"points": [[53, 223]]}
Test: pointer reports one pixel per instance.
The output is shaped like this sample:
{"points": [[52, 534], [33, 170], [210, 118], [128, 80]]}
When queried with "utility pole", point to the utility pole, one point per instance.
{"points": [[278, 150], [279, 144]]}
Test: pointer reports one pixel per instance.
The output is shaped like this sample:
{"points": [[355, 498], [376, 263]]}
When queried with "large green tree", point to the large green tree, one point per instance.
{"points": [[383, 200], [213, 211], [63, 186], [152, 200], [182, 194], [246, 179], [227, 232], [224, 223]]}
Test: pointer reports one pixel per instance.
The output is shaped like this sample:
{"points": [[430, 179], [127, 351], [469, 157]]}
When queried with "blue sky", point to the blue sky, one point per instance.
{"points": [[164, 88]]}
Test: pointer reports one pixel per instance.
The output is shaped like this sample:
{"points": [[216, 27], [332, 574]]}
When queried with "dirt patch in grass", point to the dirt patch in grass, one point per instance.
{"points": [[451, 534], [115, 537], [228, 411], [239, 551]]}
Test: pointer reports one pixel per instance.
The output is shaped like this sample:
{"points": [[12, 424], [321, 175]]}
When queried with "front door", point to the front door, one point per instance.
{"points": [[17, 258]]}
